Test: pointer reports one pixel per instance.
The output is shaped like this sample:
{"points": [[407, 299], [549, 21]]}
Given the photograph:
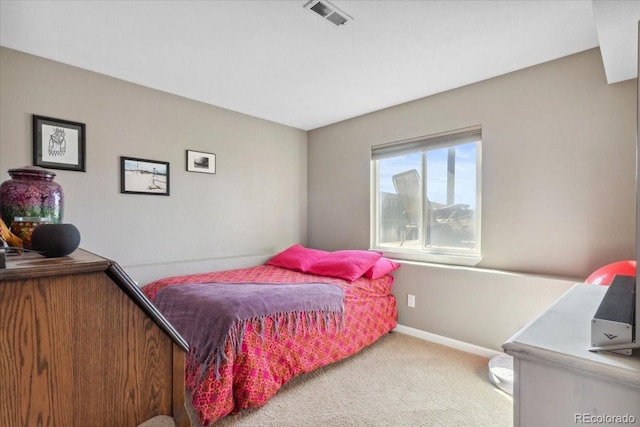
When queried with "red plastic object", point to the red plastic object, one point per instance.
{"points": [[604, 275]]}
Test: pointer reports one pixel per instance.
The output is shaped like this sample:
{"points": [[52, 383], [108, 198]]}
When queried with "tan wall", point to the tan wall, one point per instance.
{"points": [[558, 182], [254, 206], [558, 191]]}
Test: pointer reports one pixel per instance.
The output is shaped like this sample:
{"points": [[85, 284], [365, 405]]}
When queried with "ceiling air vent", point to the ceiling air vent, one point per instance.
{"points": [[328, 12]]}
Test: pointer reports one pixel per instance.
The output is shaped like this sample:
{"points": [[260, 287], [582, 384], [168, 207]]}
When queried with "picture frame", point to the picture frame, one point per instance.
{"points": [[144, 176], [198, 161], [59, 144]]}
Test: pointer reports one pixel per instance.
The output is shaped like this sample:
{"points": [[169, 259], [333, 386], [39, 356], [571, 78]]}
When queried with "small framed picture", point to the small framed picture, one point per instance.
{"points": [[58, 144], [142, 176], [198, 161]]}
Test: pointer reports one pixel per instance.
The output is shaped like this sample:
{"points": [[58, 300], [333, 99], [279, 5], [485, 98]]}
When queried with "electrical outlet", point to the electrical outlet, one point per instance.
{"points": [[411, 301]]}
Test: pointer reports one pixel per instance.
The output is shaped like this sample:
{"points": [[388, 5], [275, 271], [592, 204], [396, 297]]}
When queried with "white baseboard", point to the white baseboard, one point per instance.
{"points": [[449, 342]]}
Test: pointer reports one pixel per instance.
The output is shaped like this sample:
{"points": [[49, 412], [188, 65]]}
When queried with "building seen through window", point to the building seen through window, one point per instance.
{"points": [[426, 196]]}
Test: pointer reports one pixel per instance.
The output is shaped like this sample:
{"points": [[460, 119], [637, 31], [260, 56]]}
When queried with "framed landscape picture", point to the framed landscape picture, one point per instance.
{"points": [[198, 161], [58, 144], [143, 176]]}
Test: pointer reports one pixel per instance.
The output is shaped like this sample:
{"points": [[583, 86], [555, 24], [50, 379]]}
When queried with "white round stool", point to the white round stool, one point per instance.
{"points": [[501, 372]]}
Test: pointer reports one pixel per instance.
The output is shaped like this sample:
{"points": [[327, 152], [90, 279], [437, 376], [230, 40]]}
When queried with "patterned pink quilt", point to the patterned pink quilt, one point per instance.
{"points": [[251, 378]]}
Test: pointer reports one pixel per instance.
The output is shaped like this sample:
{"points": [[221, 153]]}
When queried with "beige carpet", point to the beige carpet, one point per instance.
{"points": [[398, 381]]}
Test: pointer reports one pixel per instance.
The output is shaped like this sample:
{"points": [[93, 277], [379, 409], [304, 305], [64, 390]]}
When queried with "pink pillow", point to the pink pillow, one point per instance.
{"points": [[381, 267], [297, 258], [347, 264]]}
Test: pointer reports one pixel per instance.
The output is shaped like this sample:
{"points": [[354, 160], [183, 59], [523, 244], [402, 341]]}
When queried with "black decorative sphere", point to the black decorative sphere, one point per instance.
{"points": [[55, 240]]}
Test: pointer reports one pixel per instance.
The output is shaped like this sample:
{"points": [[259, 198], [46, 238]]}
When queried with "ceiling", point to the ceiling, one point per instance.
{"points": [[279, 61]]}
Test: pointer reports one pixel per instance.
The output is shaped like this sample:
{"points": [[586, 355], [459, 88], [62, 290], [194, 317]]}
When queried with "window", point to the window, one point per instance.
{"points": [[426, 198]]}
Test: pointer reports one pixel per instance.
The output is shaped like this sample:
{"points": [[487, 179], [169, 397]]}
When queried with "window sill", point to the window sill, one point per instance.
{"points": [[447, 259]]}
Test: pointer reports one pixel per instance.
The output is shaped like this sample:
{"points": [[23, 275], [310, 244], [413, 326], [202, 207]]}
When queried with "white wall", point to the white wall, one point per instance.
{"points": [[252, 207], [558, 191]]}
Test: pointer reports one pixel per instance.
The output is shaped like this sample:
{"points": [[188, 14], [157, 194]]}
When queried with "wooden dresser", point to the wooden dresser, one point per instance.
{"points": [[80, 345]]}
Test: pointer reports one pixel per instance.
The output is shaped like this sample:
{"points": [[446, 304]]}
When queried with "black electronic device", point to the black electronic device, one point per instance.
{"points": [[614, 321], [55, 240]]}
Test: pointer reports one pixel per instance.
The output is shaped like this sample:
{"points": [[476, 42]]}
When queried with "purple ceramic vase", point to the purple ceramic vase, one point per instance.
{"points": [[31, 192]]}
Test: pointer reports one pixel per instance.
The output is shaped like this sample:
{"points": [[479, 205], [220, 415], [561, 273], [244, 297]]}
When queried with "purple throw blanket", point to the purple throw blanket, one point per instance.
{"points": [[207, 315]]}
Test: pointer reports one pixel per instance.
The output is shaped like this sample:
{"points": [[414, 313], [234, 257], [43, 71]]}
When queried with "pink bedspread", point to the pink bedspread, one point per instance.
{"points": [[251, 378]]}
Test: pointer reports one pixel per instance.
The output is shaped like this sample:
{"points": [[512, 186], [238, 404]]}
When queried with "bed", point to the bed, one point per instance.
{"points": [[270, 350]]}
